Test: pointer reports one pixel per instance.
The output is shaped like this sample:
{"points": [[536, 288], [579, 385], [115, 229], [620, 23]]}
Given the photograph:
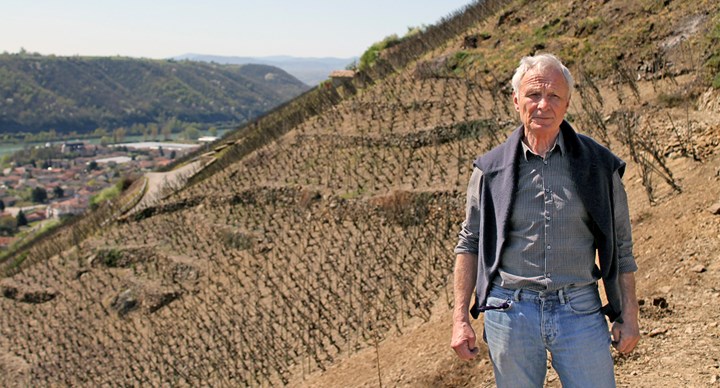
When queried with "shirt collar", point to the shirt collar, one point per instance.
{"points": [[559, 143]]}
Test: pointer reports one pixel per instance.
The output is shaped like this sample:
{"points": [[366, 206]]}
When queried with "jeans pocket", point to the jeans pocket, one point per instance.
{"points": [[495, 302], [584, 303]]}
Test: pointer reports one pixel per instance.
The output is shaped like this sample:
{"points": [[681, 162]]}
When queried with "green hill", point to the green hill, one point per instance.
{"points": [[39, 93]]}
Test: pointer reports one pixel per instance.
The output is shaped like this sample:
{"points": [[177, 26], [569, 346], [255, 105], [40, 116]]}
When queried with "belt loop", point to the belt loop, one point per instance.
{"points": [[561, 296], [516, 295]]}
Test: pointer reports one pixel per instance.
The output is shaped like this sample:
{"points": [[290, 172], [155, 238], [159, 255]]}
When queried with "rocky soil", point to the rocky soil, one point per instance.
{"points": [[324, 258]]}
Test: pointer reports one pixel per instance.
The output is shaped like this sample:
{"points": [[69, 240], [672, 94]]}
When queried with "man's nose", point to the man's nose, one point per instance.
{"points": [[543, 102]]}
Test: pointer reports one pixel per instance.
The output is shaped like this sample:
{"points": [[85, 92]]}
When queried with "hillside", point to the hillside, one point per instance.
{"points": [[323, 257], [310, 71], [39, 93]]}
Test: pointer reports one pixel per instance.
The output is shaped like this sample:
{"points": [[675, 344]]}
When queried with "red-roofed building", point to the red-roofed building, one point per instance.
{"points": [[84, 192], [6, 242], [146, 164], [11, 180], [162, 163], [35, 215], [68, 175]]}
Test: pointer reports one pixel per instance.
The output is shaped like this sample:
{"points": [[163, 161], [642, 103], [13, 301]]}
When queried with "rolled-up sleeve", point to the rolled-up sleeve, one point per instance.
{"points": [[623, 232], [470, 232]]}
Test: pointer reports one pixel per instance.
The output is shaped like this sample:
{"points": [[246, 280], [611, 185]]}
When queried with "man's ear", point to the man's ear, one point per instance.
{"points": [[515, 102]]}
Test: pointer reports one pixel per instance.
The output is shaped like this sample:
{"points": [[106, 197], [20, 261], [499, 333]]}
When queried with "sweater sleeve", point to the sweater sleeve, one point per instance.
{"points": [[470, 232], [623, 230]]}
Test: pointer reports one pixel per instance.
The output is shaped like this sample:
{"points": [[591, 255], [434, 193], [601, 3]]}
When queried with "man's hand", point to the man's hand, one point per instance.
{"points": [[463, 335], [627, 334], [463, 340]]}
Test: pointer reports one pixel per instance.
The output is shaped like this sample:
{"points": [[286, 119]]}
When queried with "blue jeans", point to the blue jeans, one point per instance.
{"points": [[567, 323]]}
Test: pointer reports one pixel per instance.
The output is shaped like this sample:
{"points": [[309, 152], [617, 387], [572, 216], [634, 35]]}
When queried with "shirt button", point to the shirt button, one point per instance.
{"points": [[547, 190], [545, 162], [548, 247]]}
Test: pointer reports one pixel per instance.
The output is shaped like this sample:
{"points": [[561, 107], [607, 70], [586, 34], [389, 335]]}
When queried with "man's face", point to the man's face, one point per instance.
{"points": [[542, 100]]}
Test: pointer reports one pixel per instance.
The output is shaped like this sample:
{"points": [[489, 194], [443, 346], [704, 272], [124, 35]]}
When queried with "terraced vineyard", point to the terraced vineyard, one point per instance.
{"points": [[326, 241]]}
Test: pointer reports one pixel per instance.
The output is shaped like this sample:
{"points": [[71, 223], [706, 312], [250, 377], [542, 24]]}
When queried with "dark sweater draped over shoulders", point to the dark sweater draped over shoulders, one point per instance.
{"points": [[592, 169]]}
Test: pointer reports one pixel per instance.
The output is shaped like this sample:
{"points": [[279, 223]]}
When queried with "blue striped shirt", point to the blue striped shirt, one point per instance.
{"points": [[550, 244]]}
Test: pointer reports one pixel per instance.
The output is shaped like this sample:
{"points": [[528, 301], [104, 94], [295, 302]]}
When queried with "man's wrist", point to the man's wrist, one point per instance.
{"points": [[630, 314], [631, 307], [461, 316]]}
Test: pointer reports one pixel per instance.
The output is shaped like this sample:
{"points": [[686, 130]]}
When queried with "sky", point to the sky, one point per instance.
{"points": [[167, 28]]}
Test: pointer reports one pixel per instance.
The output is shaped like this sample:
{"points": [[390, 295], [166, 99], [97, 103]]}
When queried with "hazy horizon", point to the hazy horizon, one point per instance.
{"points": [[165, 29]]}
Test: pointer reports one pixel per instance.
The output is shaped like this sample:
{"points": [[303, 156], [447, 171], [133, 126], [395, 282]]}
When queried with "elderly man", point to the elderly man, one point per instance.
{"points": [[539, 208]]}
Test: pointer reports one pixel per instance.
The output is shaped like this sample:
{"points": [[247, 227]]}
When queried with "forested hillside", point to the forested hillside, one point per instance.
{"points": [[40, 93], [314, 248]]}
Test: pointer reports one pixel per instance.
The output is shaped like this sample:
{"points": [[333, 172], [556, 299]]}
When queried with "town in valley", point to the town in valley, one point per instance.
{"points": [[43, 185]]}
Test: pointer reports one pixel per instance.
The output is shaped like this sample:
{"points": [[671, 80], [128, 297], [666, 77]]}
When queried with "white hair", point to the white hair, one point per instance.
{"points": [[541, 61]]}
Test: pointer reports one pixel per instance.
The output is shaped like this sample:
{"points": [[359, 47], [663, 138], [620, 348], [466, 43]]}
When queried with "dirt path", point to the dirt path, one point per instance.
{"points": [[157, 181]]}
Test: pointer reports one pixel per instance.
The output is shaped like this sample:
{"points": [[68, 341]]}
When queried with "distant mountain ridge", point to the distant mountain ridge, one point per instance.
{"points": [[39, 93], [311, 71]]}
